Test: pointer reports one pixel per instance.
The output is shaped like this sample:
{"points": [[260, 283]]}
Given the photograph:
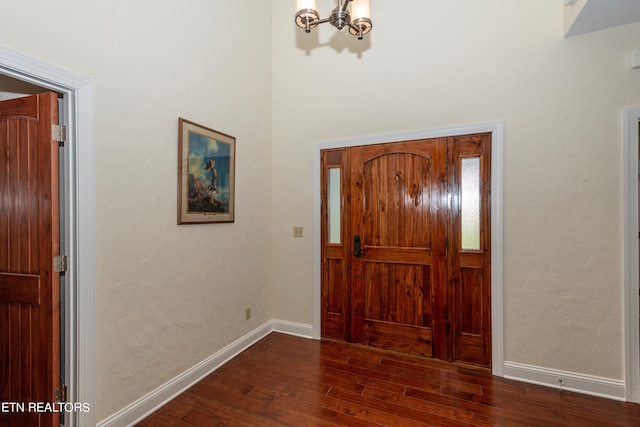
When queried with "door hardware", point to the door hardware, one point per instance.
{"points": [[357, 250]]}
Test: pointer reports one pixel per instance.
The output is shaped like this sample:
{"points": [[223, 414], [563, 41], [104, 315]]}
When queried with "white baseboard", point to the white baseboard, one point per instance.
{"points": [[292, 328], [147, 404], [563, 380]]}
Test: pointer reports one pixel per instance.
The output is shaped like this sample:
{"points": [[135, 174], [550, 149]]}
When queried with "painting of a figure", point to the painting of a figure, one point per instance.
{"points": [[207, 172]]}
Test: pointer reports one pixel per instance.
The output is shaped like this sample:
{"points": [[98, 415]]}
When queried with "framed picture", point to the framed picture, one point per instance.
{"points": [[206, 174]]}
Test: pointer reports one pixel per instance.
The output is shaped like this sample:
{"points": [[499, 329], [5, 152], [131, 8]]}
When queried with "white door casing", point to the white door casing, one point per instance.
{"points": [[630, 175]]}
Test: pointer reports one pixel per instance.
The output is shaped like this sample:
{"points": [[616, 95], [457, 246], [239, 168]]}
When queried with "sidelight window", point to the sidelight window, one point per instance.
{"points": [[334, 205], [470, 203]]}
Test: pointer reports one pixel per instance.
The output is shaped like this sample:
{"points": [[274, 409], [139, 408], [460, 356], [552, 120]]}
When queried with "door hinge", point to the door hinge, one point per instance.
{"points": [[59, 264], [59, 133], [60, 394]]}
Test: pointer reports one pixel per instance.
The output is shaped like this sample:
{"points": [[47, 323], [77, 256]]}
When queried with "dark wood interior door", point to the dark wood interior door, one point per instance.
{"points": [[407, 264], [29, 240]]}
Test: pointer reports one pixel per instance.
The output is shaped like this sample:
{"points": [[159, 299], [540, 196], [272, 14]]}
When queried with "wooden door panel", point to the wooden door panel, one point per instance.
{"points": [[26, 107], [398, 255], [403, 338], [396, 285], [470, 268], [470, 299], [471, 313], [398, 293], [470, 295], [397, 196], [398, 307], [20, 289], [22, 361], [19, 193], [29, 228], [336, 292]]}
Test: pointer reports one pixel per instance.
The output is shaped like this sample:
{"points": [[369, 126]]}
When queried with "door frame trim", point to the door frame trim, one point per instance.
{"points": [[79, 114], [630, 174], [496, 129]]}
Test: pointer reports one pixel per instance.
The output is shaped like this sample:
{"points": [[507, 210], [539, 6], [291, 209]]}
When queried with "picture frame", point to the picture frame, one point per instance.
{"points": [[206, 174]]}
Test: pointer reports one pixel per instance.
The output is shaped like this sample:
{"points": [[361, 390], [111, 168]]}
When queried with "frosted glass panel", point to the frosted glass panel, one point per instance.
{"points": [[334, 205], [470, 203]]}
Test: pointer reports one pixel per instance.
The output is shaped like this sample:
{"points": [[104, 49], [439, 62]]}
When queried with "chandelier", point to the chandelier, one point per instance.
{"points": [[357, 17]]}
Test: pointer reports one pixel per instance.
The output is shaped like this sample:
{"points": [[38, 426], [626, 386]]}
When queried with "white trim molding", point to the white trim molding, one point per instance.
{"points": [[150, 402], [79, 111], [630, 176], [564, 380], [497, 147]]}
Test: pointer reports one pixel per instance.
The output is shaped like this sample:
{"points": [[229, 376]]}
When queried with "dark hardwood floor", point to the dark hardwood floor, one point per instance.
{"points": [[289, 381]]}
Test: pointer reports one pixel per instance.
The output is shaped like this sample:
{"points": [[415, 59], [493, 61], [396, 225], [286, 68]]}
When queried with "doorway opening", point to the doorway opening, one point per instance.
{"points": [[495, 129], [77, 109]]}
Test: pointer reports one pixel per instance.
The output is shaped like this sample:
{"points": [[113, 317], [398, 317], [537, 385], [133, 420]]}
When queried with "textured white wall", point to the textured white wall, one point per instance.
{"points": [[432, 64], [168, 296]]}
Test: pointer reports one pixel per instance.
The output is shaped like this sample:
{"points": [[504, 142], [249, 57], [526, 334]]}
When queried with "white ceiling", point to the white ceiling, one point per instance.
{"points": [[600, 14]]}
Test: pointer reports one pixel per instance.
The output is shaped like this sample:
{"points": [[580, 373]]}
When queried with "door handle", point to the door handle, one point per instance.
{"points": [[357, 245]]}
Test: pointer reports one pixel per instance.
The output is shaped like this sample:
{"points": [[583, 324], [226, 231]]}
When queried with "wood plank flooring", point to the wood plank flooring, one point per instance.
{"points": [[288, 381]]}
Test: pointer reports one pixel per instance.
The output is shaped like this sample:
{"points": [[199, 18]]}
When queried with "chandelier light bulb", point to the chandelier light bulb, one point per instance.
{"points": [[306, 4], [360, 9]]}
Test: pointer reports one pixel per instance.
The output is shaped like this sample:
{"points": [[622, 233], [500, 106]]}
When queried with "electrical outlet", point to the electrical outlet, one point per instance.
{"points": [[247, 313], [298, 231]]}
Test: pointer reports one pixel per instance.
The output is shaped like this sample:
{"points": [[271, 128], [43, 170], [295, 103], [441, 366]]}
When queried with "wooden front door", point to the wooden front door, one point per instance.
{"points": [[29, 240], [398, 291], [410, 268]]}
